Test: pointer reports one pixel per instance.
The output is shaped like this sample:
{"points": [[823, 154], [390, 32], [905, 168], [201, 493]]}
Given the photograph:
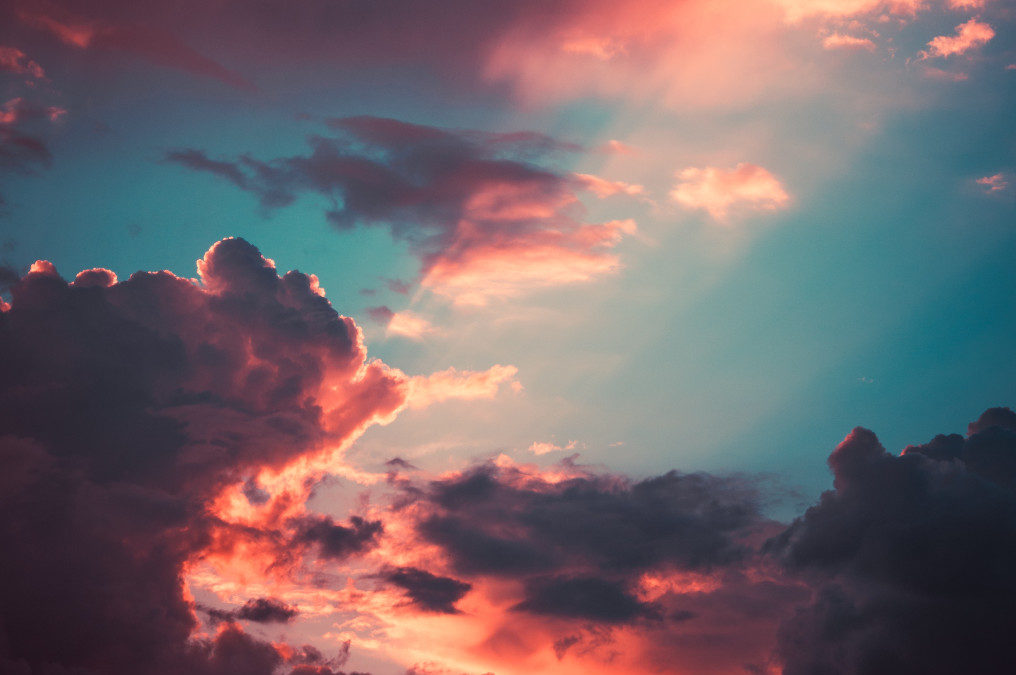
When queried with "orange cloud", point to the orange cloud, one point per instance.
{"points": [[967, 4], [424, 390], [719, 191], [969, 35]]}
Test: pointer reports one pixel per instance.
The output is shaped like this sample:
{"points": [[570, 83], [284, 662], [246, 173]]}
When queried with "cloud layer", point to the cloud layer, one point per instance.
{"points": [[486, 220]]}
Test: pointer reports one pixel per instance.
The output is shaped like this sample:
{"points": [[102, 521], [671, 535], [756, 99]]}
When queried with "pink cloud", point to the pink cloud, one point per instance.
{"points": [[486, 217], [616, 147], [601, 187], [967, 4], [995, 183], [474, 272], [17, 110], [14, 60], [719, 191], [840, 41], [686, 55], [797, 10], [969, 35], [946, 75]]}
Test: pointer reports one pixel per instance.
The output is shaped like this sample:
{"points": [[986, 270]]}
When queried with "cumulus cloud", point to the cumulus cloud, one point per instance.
{"points": [[126, 408], [909, 557], [486, 220], [969, 36], [722, 191], [157, 427]]}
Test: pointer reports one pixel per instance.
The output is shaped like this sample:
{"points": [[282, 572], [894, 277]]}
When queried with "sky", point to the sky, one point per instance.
{"points": [[453, 338]]}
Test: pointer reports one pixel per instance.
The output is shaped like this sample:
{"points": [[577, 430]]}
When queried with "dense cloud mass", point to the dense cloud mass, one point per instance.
{"points": [[910, 558], [483, 217], [141, 420], [124, 409]]}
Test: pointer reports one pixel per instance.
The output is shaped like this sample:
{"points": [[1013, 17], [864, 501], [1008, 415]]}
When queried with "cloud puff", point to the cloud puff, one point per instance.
{"points": [[841, 41], [126, 408], [720, 191], [13, 60], [258, 610], [428, 591], [485, 220], [994, 183], [969, 35], [909, 557]]}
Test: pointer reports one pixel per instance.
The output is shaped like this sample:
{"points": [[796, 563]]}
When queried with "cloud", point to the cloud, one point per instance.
{"points": [[667, 519], [258, 610], [583, 598], [425, 390], [127, 407], [484, 218], [602, 187], [13, 60], [337, 541], [909, 557], [23, 129], [967, 4], [841, 41], [138, 39], [405, 324], [157, 428], [994, 183], [541, 448], [969, 36], [720, 191], [796, 10], [427, 591]]}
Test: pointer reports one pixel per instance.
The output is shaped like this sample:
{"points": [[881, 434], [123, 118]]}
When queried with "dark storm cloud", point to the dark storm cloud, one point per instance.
{"points": [[428, 591], [334, 540], [124, 408], [691, 521], [910, 558], [258, 610], [584, 598]]}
